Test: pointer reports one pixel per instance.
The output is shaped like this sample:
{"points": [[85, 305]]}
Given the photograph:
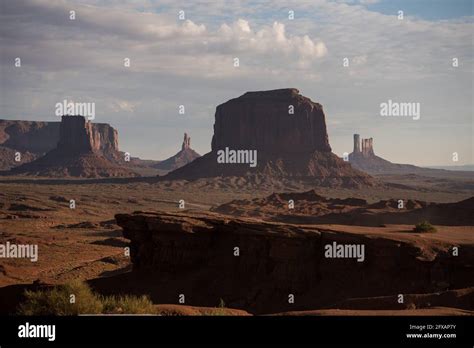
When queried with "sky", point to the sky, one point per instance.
{"points": [[190, 62]]}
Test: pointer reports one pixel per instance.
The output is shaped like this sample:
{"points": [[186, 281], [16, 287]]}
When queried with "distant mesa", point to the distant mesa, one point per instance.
{"points": [[183, 157], [288, 133], [34, 139], [31, 139], [364, 158], [84, 149]]}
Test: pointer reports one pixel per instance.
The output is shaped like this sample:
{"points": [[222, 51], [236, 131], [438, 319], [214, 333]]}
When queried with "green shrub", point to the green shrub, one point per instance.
{"points": [[57, 301], [424, 226], [127, 305]]}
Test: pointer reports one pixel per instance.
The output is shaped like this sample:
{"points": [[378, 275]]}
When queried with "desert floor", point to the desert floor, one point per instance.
{"points": [[85, 243]]}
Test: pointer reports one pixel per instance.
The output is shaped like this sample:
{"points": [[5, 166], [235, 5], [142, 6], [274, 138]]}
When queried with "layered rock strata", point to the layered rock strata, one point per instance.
{"points": [[256, 266]]}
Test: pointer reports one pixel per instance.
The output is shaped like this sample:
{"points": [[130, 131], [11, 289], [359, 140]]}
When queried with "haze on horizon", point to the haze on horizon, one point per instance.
{"points": [[190, 62]]}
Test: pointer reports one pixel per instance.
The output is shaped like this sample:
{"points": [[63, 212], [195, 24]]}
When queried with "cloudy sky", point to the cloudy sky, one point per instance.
{"points": [[190, 62]]}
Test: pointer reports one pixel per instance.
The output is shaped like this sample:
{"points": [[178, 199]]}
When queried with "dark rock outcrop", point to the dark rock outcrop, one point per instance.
{"points": [[77, 135], [194, 254], [262, 121], [288, 133], [83, 150]]}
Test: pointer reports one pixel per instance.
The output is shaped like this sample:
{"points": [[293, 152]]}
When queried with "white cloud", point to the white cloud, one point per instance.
{"points": [[239, 37], [118, 105]]}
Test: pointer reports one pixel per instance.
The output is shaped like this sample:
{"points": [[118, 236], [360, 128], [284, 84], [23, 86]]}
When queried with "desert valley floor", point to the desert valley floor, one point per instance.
{"points": [[86, 243]]}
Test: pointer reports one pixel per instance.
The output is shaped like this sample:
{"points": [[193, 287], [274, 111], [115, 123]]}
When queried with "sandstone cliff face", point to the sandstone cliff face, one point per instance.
{"points": [[262, 121], [77, 135], [33, 139], [105, 140], [193, 254]]}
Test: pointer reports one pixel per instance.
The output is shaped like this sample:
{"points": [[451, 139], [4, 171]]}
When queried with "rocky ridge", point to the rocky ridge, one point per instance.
{"points": [[195, 254]]}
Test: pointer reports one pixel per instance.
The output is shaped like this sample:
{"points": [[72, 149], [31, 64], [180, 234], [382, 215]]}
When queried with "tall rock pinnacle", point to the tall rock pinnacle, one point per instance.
{"points": [[186, 142]]}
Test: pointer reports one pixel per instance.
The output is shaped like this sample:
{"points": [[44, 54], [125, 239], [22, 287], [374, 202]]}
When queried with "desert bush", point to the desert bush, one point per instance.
{"points": [[424, 226], [127, 305], [56, 301]]}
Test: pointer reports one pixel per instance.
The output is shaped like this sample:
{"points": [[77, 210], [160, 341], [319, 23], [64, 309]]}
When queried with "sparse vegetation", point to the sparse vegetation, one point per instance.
{"points": [[220, 310], [127, 305], [58, 301], [424, 227]]}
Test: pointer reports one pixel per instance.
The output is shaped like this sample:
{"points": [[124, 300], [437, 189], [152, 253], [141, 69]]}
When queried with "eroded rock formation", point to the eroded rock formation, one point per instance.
{"points": [[183, 157], [31, 136], [83, 150], [272, 122], [363, 147], [186, 142], [311, 208], [32, 139], [195, 254], [364, 158], [28, 138], [288, 133]]}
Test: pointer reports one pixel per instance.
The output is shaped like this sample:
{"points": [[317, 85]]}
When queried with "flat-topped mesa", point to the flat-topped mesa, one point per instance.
{"points": [[277, 137], [274, 93], [272, 122], [77, 135], [40, 137], [83, 149]]}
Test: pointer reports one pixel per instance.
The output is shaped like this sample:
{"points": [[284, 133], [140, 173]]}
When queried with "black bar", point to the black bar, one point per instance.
{"points": [[135, 330]]}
